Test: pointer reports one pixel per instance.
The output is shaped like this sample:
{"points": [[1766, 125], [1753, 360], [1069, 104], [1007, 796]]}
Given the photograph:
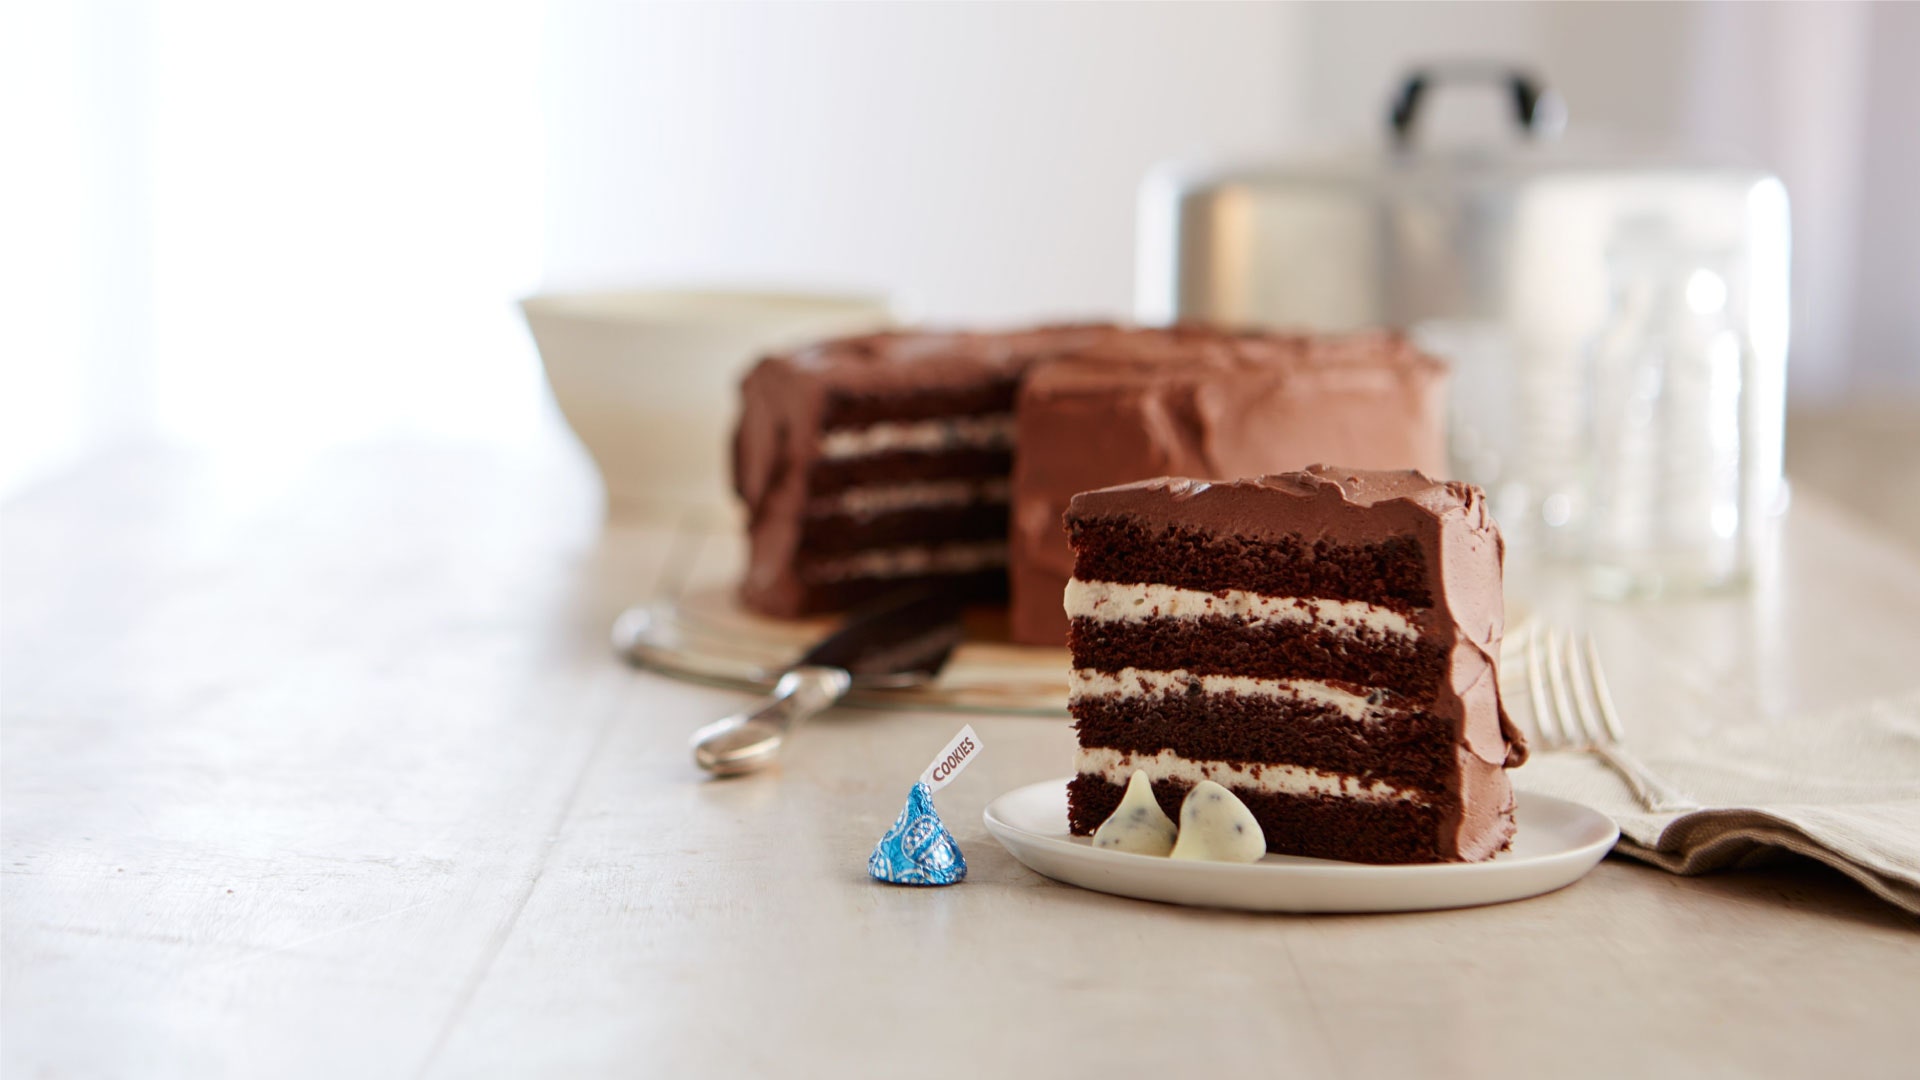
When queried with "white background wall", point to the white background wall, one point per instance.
{"points": [[980, 159], [285, 225]]}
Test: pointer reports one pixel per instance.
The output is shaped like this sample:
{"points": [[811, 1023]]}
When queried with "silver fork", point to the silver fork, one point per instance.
{"points": [[1573, 710]]}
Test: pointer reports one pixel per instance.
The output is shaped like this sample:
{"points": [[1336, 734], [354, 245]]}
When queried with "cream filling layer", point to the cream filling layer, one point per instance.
{"points": [[872, 501], [913, 561], [891, 436], [1108, 601], [1140, 682], [1116, 766]]}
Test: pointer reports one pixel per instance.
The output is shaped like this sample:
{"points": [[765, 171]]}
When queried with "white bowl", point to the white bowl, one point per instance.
{"points": [[649, 379]]}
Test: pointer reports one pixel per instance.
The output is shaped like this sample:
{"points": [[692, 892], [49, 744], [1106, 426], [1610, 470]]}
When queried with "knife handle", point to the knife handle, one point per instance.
{"points": [[749, 741]]}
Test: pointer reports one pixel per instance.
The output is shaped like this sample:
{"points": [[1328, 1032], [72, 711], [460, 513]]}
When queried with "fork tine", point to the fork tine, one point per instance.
{"points": [[1580, 676], [1545, 722], [1601, 694], [1584, 719], [1557, 682]]}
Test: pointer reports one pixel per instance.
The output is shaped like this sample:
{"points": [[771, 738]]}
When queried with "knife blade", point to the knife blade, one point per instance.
{"points": [[900, 641], [903, 640]]}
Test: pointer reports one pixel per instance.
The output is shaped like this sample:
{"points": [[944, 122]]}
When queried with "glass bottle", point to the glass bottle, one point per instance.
{"points": [[1664, 489]]}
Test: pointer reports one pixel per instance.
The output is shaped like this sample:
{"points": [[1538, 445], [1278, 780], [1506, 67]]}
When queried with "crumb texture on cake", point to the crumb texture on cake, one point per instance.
{"points": [[1322, 643]]}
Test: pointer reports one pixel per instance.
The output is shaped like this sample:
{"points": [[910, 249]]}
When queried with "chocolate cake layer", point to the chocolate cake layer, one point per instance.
{"points": [[1318, 826], [1413, 749], [819, 598], [840, 534], [831, 477], [1391, 573], [1217, 646]]}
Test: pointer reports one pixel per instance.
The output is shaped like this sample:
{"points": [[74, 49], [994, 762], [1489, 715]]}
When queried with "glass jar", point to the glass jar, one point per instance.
{"points": [[1666, 492]]}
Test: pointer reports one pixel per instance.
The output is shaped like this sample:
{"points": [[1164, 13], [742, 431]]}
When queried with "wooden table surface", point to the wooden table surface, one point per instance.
{"points": [[322, 767]]}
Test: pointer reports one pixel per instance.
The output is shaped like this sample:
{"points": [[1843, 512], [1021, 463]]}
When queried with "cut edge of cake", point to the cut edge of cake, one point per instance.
{"points": [[1324, 643], [879, 462]]}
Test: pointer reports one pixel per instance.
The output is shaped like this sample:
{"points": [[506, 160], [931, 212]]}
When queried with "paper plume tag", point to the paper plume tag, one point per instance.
{"points": [[963, 749]]}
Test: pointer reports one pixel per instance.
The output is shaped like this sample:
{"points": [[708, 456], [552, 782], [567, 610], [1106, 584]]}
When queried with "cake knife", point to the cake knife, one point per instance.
{"points": [[900, 642]]}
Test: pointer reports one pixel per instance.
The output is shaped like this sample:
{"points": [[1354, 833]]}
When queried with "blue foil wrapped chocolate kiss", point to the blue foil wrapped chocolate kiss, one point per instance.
{"points": [[918, 850]]}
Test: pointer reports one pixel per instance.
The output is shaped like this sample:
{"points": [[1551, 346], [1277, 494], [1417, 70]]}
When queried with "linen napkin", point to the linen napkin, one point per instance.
{"points": [[1843, 788]]}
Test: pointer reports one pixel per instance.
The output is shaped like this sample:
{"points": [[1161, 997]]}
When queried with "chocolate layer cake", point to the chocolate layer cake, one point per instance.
{"points": [[1200, 402], [1323, 643], [876, 462]]}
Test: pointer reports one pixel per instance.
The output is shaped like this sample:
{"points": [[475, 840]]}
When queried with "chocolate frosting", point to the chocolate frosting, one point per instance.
{"points": [[1199, 402], [1464, 553], [914, 361]]}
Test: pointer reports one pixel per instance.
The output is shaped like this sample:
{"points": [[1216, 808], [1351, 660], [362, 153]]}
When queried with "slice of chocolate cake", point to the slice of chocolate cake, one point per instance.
{"points": [[1323, 643], [876, 462], [1192, 401]]}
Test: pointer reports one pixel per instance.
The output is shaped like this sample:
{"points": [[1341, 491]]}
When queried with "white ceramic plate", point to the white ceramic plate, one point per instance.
{"points": [[1555, 843]]}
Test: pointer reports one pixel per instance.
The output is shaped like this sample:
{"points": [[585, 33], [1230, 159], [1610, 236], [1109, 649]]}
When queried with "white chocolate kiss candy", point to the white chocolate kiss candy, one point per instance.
{"points": [[1215, 825], [1138, 825]]}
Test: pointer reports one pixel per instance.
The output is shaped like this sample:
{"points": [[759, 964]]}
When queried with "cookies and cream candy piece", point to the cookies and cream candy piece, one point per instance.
{"points": [[1137, 825], [1216, 826], [918, 849]]}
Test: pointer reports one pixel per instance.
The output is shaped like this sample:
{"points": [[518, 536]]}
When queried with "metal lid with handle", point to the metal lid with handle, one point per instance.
{"points": [[1406, 229], [1538, 111]]}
